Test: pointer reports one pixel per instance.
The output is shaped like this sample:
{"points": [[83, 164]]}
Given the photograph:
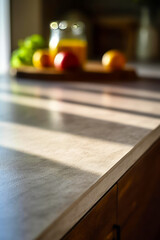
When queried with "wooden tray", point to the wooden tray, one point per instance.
{"points": [[93, 71]]}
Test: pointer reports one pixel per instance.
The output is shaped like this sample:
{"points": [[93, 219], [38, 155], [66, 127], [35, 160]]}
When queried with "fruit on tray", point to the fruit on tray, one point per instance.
{"points": [[27, 47], [41, 58], [33, 42], [113, 60], [76, 46], [66, 60]]}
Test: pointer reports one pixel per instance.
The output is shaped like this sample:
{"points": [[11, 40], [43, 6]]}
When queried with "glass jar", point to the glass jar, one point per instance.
{"points": [[68, 36]]}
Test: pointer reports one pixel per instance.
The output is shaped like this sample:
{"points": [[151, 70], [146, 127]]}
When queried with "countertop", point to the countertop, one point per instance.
{"points": [[63, 145]]}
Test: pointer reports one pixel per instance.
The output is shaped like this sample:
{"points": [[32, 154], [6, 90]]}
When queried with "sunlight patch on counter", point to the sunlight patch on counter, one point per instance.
{"points": [[82, 111], [93, 155]]}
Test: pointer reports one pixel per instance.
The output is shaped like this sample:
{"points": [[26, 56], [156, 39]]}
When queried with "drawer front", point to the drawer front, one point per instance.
{"points": [[98, 223], [139, 198]]}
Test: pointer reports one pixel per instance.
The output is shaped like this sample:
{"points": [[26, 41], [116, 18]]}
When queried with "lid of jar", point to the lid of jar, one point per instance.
{"points": [[63, 24]]}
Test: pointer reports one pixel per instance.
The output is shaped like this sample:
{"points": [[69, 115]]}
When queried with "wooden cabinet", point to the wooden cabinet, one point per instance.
{"points": [[131, 209], [139, 199], [99, 222]]}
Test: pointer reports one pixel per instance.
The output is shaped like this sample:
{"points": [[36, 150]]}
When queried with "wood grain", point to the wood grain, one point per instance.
{"points": [[139, 198], [98, 222]]}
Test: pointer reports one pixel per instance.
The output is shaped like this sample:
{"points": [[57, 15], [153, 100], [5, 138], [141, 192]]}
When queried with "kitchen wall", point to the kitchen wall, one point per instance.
{"points": [[111, 23], [25, 19]]}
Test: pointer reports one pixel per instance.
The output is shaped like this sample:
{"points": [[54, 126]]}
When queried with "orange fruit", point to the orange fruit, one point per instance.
{"points": [[113, 60], [41, 58]]}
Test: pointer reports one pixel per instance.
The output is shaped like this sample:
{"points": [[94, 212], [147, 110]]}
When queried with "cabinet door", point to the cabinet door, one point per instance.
{"points": [[98, 223], [139, 198]]}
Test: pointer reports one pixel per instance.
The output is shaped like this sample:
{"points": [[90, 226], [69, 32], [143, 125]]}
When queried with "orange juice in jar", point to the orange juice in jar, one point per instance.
{"points": [[68, 36]]}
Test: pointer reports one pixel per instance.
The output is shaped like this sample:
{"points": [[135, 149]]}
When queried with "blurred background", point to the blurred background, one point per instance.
{"points": [[132, 26]]}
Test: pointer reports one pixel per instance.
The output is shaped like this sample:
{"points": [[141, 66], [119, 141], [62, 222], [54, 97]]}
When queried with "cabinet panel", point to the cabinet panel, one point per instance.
{"points": [[98, 223], [139, 198]]}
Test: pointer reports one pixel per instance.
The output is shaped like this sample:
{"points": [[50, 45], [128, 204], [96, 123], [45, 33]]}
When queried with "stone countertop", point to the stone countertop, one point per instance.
{"points": [[64, 145]]}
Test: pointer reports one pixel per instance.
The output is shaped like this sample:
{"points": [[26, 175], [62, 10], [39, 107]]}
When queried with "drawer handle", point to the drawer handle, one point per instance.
{"points": [[117, 232]]}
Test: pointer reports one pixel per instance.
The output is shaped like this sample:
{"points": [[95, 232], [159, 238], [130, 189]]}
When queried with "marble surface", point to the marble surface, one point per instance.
{"points": [[63, 145]]}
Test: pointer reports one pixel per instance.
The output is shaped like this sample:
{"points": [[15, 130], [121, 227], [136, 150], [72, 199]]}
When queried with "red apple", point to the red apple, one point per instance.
{"points": [[66, 61]]}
